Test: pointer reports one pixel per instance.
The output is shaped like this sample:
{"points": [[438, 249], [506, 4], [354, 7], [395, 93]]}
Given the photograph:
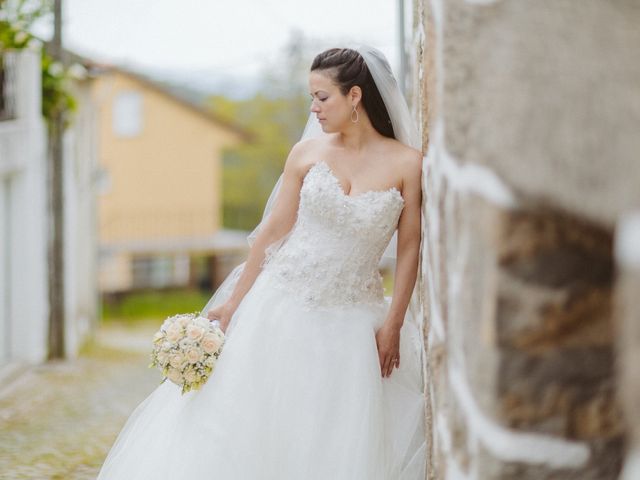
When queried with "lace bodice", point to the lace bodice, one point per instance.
{"points": [[332, 253]]}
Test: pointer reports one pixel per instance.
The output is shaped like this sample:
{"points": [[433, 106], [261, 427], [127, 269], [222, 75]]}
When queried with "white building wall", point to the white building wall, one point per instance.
{"points": [[23, 256], [80, 143], [25, 229]]}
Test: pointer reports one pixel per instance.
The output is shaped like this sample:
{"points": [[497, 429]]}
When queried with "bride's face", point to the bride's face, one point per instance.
{"points": [[332, 108]]}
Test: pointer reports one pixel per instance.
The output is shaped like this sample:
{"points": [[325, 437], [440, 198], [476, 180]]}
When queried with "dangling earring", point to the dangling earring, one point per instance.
{"points": [[357, 116]]}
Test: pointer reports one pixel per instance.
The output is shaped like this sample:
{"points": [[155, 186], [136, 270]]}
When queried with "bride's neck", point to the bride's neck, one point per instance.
{"points": [[358, 135]]}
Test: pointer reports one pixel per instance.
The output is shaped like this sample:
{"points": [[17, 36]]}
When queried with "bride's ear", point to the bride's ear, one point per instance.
{"points": [[355, 94]]}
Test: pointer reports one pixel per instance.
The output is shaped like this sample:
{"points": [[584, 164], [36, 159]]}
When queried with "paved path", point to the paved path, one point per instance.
{"points": [[58, 420]]}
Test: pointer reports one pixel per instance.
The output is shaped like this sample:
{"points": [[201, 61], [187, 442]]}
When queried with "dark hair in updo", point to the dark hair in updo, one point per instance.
{"points": [[347, 68]]}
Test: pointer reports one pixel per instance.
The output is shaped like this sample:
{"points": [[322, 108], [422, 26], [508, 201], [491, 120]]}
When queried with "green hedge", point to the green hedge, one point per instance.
{"points": [[153, 304]]}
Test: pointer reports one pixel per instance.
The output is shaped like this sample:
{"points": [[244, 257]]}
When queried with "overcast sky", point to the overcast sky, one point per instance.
{"points": [[231, 36]]}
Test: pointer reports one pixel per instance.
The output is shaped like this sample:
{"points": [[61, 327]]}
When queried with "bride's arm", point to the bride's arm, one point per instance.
{"points": [[409, 230], [279, 223], [408, 248]]}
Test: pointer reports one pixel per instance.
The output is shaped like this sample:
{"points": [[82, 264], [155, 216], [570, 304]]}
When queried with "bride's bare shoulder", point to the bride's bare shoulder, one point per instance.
{"points": [[309, 145], [406, 158], [304, 154]]}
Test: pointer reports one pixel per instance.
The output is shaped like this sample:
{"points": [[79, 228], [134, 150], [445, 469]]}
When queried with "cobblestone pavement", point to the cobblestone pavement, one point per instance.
{"points": [[58, 420]]}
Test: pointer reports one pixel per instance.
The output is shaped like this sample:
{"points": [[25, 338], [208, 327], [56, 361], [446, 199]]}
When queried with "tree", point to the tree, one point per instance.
{"points": [[276, 118], [251, 169]]}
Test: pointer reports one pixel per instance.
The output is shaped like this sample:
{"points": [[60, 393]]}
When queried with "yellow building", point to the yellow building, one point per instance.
{"points": [[160, 200]]}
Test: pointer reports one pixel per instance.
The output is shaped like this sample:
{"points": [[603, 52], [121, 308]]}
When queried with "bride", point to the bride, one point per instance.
{"points": [[321, 374]]}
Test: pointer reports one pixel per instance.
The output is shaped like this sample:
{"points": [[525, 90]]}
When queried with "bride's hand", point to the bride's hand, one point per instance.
{"points": [[223, 314], [388, 342]]}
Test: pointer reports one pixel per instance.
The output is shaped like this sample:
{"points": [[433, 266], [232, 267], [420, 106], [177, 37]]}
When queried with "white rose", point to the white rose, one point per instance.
{"points": [[175, 376], [161, 357], [194, 355], [211, 343], [202, 322], [184, 321], [174, 333], [190, 376], [194, 332], [176, 360]]}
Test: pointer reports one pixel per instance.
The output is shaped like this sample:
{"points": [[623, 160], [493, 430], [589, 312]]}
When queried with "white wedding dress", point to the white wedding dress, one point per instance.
{"points": [[297, 393]]}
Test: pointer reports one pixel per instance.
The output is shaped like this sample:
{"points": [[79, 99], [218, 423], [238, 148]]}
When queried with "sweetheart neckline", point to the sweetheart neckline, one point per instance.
{"points": [[391, 190]]}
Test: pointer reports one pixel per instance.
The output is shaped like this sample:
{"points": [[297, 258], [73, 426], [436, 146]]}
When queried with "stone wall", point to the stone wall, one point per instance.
{"points": [[529, 112], [627, 312]]}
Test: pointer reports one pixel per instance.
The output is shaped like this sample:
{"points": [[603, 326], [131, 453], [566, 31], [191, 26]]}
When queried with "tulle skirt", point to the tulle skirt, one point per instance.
{"points": [[296, 394]]}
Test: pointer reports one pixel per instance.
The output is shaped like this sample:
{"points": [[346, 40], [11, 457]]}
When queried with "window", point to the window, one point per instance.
{"points": [[127, 114], [152, 271], [158, 271]]}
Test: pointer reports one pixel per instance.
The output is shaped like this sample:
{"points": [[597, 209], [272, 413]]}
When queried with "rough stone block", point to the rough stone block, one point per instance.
{"points": [[546, 94]]}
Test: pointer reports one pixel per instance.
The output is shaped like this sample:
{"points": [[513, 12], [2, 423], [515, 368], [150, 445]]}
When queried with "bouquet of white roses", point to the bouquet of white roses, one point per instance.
{"points": [[186, 349]]}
